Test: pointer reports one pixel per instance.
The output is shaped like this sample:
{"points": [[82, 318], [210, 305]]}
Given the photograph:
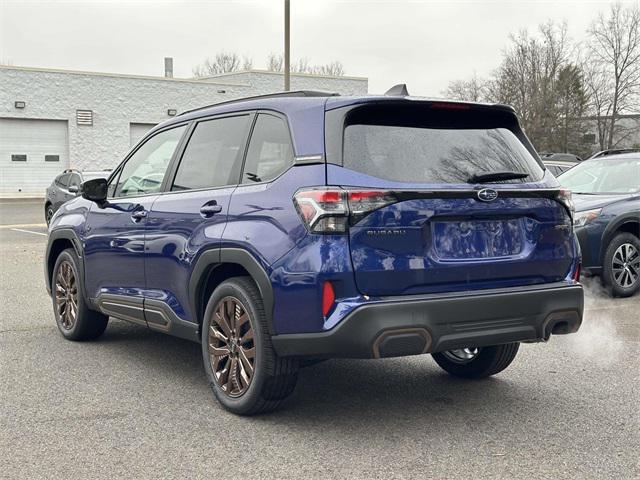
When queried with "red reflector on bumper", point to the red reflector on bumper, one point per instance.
{"points": [[328, 298]]}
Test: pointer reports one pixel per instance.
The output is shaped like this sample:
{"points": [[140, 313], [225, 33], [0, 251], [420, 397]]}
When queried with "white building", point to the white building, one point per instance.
{"points": [[51, 120]]}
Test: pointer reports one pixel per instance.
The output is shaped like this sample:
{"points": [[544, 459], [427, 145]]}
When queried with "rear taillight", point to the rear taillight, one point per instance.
{"points": [[564, 197], [331, 209], [323, 210], [362, 202], [576, 274]]}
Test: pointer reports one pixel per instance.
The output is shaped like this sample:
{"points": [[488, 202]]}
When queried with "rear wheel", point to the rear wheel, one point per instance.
{"points": [[477, 362], [621, 272], [74, 319], [244, 372]]}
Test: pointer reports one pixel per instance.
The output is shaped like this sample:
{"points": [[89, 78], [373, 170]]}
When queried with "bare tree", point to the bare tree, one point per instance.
{"points": [[247, 63], [223, 62], [528, 79], [472, 90], [335, 69], [275, 63], [539, 79], [615, 77]]}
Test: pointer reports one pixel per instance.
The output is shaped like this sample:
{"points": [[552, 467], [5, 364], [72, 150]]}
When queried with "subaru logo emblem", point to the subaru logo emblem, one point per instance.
{"points": [[487, 195]]}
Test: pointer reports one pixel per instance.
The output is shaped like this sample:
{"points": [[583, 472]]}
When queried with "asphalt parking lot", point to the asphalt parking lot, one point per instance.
{"points": [[135, 403]]}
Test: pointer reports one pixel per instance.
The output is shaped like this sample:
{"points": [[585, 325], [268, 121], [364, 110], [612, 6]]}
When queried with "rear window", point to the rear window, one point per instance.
{"points": [[426, 150]]}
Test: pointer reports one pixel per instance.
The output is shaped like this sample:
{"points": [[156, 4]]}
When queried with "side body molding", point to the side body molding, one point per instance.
{"points": [[210, 259]]}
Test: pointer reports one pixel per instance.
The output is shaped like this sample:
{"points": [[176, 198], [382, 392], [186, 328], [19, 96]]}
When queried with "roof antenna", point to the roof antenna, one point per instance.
{"points": [[399, 90]]}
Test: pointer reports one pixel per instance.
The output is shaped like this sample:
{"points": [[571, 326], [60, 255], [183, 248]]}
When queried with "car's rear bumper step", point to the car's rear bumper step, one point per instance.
{"points": [[427, 325]]}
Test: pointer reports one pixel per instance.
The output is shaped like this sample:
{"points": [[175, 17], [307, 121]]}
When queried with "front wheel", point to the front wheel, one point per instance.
{"points": [[479, 362], [621, 272], [244, 372], [74, 318]]}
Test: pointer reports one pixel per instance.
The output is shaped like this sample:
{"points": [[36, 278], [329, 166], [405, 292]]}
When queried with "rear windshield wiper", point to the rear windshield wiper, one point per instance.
{"points": [[495, 176]]}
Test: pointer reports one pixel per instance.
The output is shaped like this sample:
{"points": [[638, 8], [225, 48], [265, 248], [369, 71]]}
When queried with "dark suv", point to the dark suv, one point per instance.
{"points": [[299, 226]]}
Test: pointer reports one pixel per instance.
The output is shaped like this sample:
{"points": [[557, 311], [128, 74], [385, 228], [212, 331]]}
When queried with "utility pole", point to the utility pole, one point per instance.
{"points": [[287, 64]]}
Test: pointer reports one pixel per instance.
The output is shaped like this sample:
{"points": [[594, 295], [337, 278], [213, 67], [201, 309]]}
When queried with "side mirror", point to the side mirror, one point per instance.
{"points": [[95, 190], [73, 189]]}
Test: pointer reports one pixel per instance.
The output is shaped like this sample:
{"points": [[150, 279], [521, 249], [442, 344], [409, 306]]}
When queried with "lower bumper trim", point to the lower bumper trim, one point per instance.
{"points": [[410, 327]]}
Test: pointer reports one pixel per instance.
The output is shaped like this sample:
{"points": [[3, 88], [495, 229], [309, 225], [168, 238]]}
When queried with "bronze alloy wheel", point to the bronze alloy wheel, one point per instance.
{"points": [[66, 295], [232, 351]]}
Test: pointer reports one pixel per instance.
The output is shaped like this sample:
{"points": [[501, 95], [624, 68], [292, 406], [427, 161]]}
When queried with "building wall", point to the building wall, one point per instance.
{"points": [[265, 81], [116, 102], [119, 100]]}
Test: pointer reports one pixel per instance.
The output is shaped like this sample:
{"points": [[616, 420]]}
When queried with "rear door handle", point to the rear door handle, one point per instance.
{"points": [[138, 215], [210, 208]]}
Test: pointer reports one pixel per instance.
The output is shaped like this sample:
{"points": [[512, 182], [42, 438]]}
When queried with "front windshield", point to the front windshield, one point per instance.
{"points": [[603, 176]]}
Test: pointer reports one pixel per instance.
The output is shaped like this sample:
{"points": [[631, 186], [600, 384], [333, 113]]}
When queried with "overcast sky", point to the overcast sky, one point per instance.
{"points": [[422, 43]]}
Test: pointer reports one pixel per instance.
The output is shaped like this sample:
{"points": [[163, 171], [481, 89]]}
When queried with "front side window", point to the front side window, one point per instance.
{"points": [[213, 155], [144, 171], [270, 151]]}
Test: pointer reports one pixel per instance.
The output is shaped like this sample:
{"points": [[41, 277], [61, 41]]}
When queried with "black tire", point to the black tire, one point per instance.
{"points": [[488, 361], [614, 285], [48, 213], [273, 378], [87, 324]]}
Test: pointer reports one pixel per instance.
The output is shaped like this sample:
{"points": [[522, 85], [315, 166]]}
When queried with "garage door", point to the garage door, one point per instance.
{"points": [[32, 153], [137, 131]]}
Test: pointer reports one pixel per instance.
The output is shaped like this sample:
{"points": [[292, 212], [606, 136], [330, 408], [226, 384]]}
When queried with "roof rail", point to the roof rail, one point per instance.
{"points": [[297, 93]]}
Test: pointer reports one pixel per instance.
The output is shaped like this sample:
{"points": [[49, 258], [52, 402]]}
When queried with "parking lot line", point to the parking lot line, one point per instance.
{"points": [[28, 231], [23, 225]]}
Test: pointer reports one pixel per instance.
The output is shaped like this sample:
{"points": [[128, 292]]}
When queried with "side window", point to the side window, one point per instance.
{"points": [[213, 155], [144, 171], [63, 180], [270, 151], [74, 180]]}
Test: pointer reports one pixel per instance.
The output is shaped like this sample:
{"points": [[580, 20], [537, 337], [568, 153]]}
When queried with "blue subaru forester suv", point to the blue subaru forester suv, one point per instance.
{"points": [[283, 229]]}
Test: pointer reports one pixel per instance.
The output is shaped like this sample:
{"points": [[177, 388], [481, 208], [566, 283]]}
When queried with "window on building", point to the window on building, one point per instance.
{"points": [[18, 157], [52, 158], [144, 171], [213, 155], [270, 151]]}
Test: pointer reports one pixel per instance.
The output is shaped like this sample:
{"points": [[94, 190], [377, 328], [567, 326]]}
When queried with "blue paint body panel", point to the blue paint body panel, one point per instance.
{"points": [[410, 247]]}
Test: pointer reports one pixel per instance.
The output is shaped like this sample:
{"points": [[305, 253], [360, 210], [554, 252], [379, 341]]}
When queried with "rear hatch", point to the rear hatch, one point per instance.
{"points": [[445, 197]]}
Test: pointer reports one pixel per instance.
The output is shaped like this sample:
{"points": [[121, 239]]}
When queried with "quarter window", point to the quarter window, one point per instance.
{"points": [[213, 155], [144, 171], [270, 151]]}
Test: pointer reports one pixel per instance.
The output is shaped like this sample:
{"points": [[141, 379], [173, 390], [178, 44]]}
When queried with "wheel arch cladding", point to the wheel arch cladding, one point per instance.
{"points": [[217, 265], [60, 240], [628, 223]]}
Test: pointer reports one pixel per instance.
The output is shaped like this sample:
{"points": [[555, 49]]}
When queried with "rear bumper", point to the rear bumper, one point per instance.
{"points": [[427, 324]]}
